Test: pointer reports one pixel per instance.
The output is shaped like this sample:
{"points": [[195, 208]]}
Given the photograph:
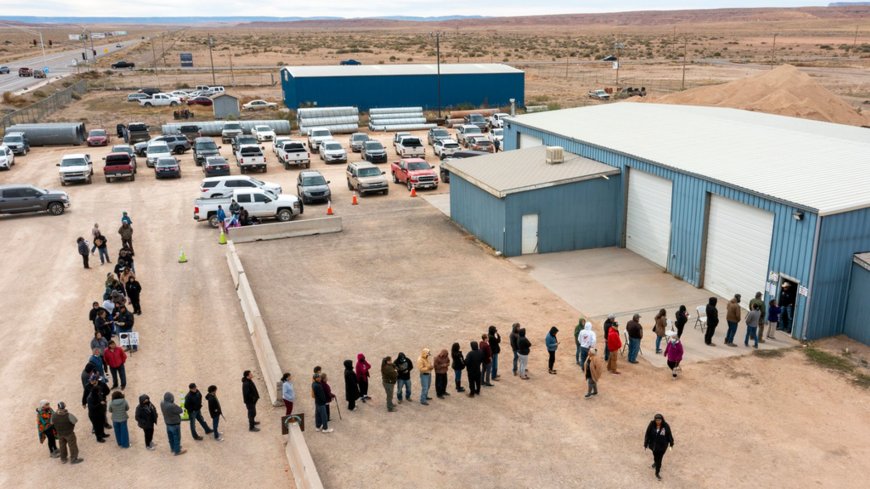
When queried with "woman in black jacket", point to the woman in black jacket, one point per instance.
{"points": [[712, 321], [658, 438], [351, 387], [458, 365], [495, 346], [146, 418], [682, 319], [514, 337]]}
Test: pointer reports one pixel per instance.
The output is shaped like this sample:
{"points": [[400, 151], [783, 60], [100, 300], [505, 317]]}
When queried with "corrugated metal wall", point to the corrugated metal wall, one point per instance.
{"points": [[576, 216], [841, 236], [366, 92], [857, 322], [478, 212]]}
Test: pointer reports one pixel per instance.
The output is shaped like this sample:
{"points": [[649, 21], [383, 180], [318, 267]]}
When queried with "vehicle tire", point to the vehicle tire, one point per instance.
{"points": [[284, 215], [308, 165], [55, 208], [133, 177], [107, 179], [63, 183], [213, 221], [148, 104], [387, 192], [90, 180], [395, 178], [25, 152], [173, 104], [179, 150]]}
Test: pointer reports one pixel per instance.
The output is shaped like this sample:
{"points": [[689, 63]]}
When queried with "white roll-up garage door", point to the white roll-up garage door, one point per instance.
{"points": [[738, 248], [648, 217], [527, 141]]}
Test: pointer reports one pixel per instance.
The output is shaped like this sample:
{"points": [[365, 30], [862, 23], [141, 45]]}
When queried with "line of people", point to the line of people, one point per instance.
{"points": [[755, 319]]}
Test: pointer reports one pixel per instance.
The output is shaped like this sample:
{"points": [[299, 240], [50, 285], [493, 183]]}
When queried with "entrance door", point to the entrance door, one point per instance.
{"points": [[527, 141], [648, 216], [530, 234]]}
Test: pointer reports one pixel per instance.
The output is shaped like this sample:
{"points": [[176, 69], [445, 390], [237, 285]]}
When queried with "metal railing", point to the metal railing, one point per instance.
{"points": [[37, 111]]}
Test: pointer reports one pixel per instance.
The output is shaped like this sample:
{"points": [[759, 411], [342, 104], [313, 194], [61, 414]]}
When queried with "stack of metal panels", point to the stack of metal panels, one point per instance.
{"points": [[336, 119], [214, 128], [398, 119]]}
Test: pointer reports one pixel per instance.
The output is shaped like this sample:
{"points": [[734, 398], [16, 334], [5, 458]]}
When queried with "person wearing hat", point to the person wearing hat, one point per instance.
{"points": [[172, 418], [126, 232], [592, 369], [610, 321], [635, 335], [125, 219], [674, 352], [658, 438], [64, 423], [44, 413], [614, 343], [193, 404]]}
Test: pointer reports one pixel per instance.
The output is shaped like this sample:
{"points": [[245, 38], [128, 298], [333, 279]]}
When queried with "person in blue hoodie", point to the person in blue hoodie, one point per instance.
{"points": [[552, 344]]}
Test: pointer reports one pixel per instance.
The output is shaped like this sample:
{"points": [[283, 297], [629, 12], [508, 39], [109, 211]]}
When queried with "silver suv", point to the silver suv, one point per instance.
{"points": [[365, 177]]}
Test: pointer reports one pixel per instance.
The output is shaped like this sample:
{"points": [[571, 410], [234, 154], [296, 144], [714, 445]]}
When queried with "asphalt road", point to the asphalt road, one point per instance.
{"points": [[59, 64]]}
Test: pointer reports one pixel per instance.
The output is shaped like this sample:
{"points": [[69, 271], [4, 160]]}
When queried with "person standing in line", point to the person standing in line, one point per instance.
{"points": [[64, 423], [100, 344], [250, 396], [327, 389], [592, 370], [424, 363], [321, 418], [753, 318], [759, 301], [611, 318], [587, 340], [514, 337], [146, 418], [134, 289], [581, 324], [172, 419], [486, 369], [732, 317], [95, 400], [404, 366], [362, 376], [786, 301], [635, 335], [661, 326], [126, 232], [473, 363], [222, 219], [442, 365], [351, 388], [552, 344], [674, 353], [682, 317], [125, 219], [193, 404], [614, 343], [712, 321], [118, 408], [101, 244], [97, 359], [658, 438], [103, 325], [116, 358], [288, 394], [82, 246], [124, 320], [524, 347], [458, 365], [215, 411], [773, 312], [389, 376], [46, 429], [95, 231], [495, 346]]}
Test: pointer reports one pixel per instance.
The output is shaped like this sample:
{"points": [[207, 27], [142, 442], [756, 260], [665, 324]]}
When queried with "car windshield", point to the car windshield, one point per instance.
{"points": [[411, 142], [247, 140], [250, 150], [418, 165], [216, 161], [320, 133], [483, 142], [313, 180], [332, 146], [472, 130], [158, 148], [369, 172], [263, 128], [12, 139], [360, 137], [207, 145], [440, 132], [232, 127], [294, 147], [166, 162], [98, 132], [475, 118], [373, 145], [78, 161]]}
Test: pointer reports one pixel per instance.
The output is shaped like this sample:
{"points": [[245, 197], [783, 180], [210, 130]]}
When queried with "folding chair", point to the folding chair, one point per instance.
{"points": [[701, 320]]}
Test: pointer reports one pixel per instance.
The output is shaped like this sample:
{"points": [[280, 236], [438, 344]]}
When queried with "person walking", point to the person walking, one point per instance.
{"points": [[495, 346], [362, 376], [46, 429], [134, 290], [404, 366], [658, 438], [424, 363], [288, 394], [587, 340], [82, 246], [552, 344], [118, 408], [674, 353], [126, 232], [389, 376], [172, 419], [193, 404], [486, 369], [635, 335], [753, 318], [712, 321], [514, 337], [101, 244], [682, 317], [611, 318], [614, 343], [732, 317], [758, 300], [458, 365], [442, 365], [64, 423], [524, 347], [351, 388], [116, 358], [473, 363], [592, 370], [661, 325], [146, 419], [250, 396], [773, 312], [95, 400], [215, 411], [581, 324]]}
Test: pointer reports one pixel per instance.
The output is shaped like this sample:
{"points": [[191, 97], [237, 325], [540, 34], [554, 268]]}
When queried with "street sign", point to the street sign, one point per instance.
{"points": [[186, 60]]}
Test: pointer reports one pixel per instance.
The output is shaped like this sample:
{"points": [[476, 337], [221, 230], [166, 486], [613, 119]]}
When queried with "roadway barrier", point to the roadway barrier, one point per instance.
{"points": [[291, 229], [301, 464]]}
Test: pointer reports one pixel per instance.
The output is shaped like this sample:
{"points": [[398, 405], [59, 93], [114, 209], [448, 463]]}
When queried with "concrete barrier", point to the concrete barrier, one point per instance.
{"points": [[234, 263], [248, 302], [289, 229], [268, 360], [301, 464]]}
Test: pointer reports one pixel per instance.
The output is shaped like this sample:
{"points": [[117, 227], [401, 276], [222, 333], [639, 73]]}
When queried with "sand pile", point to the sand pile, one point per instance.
{"points": [[784, 91]]}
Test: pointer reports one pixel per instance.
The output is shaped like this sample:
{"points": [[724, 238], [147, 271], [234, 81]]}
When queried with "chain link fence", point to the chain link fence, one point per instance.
{"points": [[38, 111]]}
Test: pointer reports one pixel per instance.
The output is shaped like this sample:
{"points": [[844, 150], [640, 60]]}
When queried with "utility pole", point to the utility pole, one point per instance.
{"points": [[855, 42], [773, 50], [153, 55], [567, 58], [232, 75], [211, 58], [685, 55], [163, 49], [437, 35], [618, 45]]}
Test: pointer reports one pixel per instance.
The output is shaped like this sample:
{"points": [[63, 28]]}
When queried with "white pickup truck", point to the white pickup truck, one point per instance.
{"points": [[258, 203], [293, 153], [410, 147], [160, 100], [250, 157], [76, 168], [317, 135]]}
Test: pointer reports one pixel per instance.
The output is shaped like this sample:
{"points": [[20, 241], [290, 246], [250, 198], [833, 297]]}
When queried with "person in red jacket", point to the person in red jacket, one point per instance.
{"points": [[486, 373], [116, 358], [362, 376], [614, 343]]}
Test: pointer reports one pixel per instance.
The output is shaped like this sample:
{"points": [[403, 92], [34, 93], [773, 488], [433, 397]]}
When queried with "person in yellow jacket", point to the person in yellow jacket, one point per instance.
{"points": [[424, 364]]}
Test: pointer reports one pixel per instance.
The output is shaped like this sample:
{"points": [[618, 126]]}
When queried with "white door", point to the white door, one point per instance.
{"points": [[648, 217], [738, 248], [527, 141], [530, 234]]}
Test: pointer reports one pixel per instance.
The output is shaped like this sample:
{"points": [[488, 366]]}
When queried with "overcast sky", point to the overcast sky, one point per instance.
{"points": [[359, 8]]}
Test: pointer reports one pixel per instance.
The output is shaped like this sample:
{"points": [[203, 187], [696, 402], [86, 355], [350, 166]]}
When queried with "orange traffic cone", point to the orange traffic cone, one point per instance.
{"points": [[413, 191], [355, 201], [329, 209]]}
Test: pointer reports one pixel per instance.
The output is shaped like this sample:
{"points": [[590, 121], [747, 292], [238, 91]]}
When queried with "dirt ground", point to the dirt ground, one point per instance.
{"points": [[401, 277]]}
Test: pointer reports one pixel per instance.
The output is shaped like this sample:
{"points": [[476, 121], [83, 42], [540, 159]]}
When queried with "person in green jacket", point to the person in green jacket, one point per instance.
{"points": [[119, 407], [577, 329]]}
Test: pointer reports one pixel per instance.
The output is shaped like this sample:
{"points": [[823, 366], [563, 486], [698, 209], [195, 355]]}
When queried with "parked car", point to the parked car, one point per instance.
{"points": [[445, 175], [190, 131], [598, 94], [149, 90], [177, 143], [445, 147], [200, 100], [479, 143], [203, 148], [466, 130], [125, 148], [24, 71], [181, 94], [4, 70], [312, 187], [98, 137], [414, 173], [476, 120], [374, 152], [350, 62], [167, 167], [137, 132], [7, 158], [357, 140], [259, 105], [263, 133], [316, 135], [244, 140], [38, 74], [16, 199], [250, 157], [215, 166], [364, 178], [258, 203], [437, 133], [221, 187], [278, 142], [155, 151], [135, 97], [497, 119], [293, 153], [410, 147], [230, 131], [160, 100], [17, 142], [332, 152], [118, 165], [123, 64], [75, 168]]}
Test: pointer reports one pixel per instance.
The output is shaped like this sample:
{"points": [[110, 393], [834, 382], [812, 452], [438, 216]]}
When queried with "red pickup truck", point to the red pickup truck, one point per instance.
{"points": [[119, 165], [415, 173]]}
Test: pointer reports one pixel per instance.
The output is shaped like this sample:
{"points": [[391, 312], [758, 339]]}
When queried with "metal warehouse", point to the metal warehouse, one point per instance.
{"points": [[729, 200], [417, 85]]}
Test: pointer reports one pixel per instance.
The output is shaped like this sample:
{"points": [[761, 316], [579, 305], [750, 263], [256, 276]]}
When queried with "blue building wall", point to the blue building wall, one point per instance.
{"points": [[366, 92], [480, 213], [857, 321], [792, 245]]}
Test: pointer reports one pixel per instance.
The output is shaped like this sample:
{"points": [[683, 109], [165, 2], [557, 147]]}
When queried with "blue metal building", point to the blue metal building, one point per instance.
{"points": [[373, 86], [730, 200]]}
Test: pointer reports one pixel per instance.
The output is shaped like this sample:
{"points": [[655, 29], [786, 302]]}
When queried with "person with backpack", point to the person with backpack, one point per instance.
{"points": [[215, 411], [146, 419], [351, 387], [658, 438], [362, 376], [552, 344], [404, 366], [458, 365]]}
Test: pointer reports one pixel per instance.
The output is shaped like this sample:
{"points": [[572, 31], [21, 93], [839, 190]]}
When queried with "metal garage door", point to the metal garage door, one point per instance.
{"points": [[738, 248], [527, 141], [648, 217]]}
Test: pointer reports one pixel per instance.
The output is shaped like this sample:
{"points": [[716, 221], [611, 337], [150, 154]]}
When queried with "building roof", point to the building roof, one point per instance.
{"points": [[399, 70], [222, 95], [510, 172], [818, 166]]}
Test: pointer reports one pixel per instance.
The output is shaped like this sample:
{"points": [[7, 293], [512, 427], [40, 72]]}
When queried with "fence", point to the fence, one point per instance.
{"points": [[170, 80], [39, 110]]}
